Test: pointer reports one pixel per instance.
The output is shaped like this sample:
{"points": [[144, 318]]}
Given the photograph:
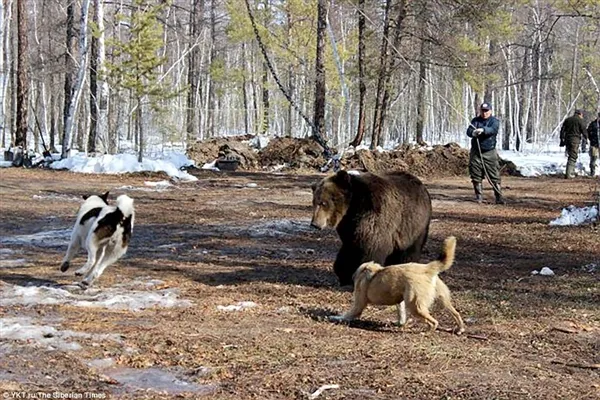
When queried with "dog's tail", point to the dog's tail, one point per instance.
{"points": [[125, 204], [446, 259], [364, 274]]}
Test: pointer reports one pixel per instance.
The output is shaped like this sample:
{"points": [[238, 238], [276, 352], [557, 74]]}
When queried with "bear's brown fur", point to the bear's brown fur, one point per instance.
{"points": [[381, 218]]}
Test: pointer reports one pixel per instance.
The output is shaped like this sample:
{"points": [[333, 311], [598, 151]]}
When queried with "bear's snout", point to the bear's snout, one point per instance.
{"points": [[317, 225]]}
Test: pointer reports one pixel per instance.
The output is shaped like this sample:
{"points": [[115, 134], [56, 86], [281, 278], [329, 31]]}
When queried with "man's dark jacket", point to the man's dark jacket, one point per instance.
{"points": [[487, 140], [572, 128], [592, 131]]}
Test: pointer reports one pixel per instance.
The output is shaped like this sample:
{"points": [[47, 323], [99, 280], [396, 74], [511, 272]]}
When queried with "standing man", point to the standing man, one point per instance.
{"points": [[593, 131], [483, 158], [573, 128]]}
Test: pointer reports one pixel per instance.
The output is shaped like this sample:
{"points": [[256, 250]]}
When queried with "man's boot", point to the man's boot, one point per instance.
{"points": [[569, 171], [498, 194], [478, 192]]}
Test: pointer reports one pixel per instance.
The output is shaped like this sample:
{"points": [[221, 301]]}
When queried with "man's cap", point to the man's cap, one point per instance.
{"points": [[578, 111], [486, 106]]}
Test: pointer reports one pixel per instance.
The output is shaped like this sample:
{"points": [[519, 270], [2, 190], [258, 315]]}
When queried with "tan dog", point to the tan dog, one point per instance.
{"points": [[416, 284]]}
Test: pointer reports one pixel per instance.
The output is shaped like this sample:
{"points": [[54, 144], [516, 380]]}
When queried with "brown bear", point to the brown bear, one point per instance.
{"points": [[381, 218]]}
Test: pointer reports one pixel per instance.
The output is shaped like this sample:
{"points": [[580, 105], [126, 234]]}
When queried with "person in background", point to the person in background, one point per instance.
{"points": [[483, 157], [571, 132], [593, 130]]}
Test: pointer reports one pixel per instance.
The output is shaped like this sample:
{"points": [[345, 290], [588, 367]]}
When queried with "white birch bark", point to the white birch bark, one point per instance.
{"points": [[102, 96], [5, 16], [79, 80]]}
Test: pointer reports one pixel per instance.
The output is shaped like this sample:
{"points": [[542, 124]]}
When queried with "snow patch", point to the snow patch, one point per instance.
{"points": [[54, 238], [118, 298], [242, 305], [576, 216], [5, 263], [121, 163], [24, 328], [278, 228]]}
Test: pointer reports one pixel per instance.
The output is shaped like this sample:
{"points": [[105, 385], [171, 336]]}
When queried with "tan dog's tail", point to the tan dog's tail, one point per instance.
{"points": [[363, 274], [446, 259]]}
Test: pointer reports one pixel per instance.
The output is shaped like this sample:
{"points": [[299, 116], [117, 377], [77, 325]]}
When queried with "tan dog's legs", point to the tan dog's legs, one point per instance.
{"points": [[444, 294], [420, 309], [358, 305]]}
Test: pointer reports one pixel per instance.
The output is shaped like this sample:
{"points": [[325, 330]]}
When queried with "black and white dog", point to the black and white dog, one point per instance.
{"points": [[107, 238], [87, 215]]}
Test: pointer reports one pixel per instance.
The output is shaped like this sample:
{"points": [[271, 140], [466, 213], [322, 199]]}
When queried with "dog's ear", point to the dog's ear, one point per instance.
{"points": [[105, 197]]}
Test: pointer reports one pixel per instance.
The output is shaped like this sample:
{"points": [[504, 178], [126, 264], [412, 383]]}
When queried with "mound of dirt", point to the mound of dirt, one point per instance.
{"points": [[209, 150], [441, 160], [293, 153]]}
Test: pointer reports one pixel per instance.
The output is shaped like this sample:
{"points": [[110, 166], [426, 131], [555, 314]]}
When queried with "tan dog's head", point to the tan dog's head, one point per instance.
{"points": [[331, 199]]}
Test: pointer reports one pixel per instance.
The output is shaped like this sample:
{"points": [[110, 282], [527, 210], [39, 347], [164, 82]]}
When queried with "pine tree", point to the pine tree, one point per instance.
{"points": [[138, 69]]}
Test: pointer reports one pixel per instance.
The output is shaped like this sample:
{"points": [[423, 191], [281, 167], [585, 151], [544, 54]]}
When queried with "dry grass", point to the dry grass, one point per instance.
{"points": [[527, 336]]}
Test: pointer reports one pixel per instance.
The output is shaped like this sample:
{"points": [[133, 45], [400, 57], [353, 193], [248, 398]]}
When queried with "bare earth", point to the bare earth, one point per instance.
{"points": [[220, 241]]}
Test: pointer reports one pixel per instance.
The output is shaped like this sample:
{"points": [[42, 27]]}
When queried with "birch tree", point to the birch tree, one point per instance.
{"points": [[5, 16], [22, 75]]}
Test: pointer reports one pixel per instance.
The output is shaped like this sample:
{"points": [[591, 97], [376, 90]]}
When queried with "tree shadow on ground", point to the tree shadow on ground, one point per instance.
{"points": [[27, 280]]}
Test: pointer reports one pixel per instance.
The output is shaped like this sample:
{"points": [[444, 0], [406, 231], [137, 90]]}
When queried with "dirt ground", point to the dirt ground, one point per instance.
{"points": [[236, 237]]}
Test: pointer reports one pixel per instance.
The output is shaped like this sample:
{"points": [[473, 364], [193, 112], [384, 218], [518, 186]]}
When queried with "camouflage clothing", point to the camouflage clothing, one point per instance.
{"points": [[573, 128], [593, 131]]}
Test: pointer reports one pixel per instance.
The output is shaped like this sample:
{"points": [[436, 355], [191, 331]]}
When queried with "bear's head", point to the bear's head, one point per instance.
{"points": [[331, 199]]}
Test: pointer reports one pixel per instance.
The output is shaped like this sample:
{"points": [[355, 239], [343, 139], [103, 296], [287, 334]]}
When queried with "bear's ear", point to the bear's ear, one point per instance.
{"points": [[85, 196], [314, 187], [342, 179], [105, 197]]}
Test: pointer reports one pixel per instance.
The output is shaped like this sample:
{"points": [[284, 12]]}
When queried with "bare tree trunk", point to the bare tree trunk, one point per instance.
{"points": [[91, 145], [22, 79], [77, 88], [5, 17], [290, 78], [362, 88], [69, 67], [421, 107], [264, 126], [320, 89], [193, 72], [140, 129], [211, 90], [245, 94], [383, 56], [389, 68], [53, 120]]}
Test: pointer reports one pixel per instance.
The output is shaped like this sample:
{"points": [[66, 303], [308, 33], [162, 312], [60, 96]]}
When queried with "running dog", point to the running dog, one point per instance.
{"points": [[108, 238], [417, 285], [87, 215]]}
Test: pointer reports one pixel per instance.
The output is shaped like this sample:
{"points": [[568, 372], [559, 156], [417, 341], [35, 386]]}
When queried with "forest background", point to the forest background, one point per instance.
{"points": [[141, 75]]}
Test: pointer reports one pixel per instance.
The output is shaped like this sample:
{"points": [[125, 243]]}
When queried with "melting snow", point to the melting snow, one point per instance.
{"points": [[19, 262], [278, 228], [121, 163], [54, 238], [112, 298], [576, 216], [23, 328], [238, 307]]}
